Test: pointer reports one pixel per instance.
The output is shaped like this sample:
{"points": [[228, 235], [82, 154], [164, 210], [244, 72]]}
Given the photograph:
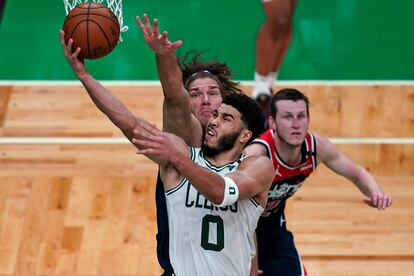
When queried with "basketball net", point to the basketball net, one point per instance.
{"points": [[114, 5]]}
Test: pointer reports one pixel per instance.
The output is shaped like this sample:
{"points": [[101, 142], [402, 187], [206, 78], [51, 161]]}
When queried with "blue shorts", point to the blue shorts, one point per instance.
{"points": [[277, 254]]}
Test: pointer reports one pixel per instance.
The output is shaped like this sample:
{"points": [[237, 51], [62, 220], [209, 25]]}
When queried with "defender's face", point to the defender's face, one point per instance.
{"points": [[291, 122], [224, 128], [205, 97]]}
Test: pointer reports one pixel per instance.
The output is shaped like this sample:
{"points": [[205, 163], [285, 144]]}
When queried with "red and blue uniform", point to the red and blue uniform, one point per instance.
{"points": [[277, 254]]}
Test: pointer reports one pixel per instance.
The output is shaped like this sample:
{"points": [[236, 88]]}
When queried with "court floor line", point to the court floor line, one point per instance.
{"points": [[120, 140]]}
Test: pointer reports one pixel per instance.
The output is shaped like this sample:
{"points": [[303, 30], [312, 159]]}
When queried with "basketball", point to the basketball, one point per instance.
{"points": [[94, 28]]}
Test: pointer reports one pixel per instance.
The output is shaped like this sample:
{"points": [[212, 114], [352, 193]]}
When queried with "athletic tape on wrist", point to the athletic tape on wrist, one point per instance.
{"points": [[231, 192]]}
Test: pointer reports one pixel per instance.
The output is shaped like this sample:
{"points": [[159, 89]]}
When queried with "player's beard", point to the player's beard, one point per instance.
{"points": [[225, 143]]}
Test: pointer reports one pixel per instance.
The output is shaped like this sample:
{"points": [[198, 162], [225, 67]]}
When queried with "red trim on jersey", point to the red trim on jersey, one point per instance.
{"points": [[288, 179], [283, 170]]}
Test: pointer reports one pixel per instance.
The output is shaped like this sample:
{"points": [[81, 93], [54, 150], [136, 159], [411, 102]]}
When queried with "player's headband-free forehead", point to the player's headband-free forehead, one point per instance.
{"points": [[200, 75]]}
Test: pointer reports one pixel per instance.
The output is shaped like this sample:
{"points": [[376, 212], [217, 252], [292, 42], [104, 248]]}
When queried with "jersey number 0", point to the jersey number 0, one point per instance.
{"points": [[205, 230]]}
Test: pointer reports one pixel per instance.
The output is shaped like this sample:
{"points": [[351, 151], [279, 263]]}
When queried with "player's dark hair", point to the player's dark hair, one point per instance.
{"points": [[251, 113], [287, 94], [193, 67]]}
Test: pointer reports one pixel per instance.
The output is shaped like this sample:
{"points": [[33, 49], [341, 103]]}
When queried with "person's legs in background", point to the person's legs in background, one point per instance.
{"points": [[272, 42]]}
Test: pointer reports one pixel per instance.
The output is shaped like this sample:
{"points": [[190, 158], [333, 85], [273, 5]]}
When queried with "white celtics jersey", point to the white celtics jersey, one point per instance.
{"points": [[210, 240]]}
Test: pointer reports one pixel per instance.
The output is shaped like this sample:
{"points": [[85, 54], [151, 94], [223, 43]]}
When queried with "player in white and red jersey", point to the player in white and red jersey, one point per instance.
{"points": [[295, 153]]}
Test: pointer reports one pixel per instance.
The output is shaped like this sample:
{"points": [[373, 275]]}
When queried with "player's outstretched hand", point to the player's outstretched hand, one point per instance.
{"points": [[72, 56], [152, 141], [379, 200], [159, 43]]}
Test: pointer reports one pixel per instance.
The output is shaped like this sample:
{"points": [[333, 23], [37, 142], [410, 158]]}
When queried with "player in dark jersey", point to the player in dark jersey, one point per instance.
{"points": [[295, 153], [192, 89]]}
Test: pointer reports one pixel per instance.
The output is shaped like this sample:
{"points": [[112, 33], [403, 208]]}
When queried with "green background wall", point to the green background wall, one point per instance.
{"points": [[333, 40]]}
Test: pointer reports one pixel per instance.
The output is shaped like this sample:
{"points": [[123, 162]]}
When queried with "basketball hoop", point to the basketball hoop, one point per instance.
{"points": [[114, 5]]}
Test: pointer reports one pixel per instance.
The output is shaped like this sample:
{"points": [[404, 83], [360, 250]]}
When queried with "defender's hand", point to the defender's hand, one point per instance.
{"points": [[159, 43]]}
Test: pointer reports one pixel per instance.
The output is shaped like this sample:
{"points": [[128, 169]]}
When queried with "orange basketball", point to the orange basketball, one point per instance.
{"points": [[94, 28]]}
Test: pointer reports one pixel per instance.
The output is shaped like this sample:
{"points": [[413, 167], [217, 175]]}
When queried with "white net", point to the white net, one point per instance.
{"points": [[114, 5]]}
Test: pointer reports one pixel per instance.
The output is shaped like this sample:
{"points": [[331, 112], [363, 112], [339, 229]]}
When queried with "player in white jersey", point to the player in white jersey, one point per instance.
{"points": [[214, 194], [213, 233], [236, 122]]}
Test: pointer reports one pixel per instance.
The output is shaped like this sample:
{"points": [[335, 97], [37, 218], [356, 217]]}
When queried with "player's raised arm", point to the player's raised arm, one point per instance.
{"points": [[161, 147], [342, 165], [253, 178], [177, 117], [111, 106]]}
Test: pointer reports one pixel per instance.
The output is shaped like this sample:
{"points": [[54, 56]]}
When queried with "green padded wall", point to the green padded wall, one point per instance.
{"points": [[333, 40]]}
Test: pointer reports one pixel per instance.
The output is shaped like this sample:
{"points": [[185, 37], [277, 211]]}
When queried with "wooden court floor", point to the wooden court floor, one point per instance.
{"points": [[82, 208]]}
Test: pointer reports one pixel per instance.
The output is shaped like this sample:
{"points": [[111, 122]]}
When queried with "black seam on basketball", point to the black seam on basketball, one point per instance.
{"points": [[93, 15], [74, 28], [106, 17], [87, 31], [102, 30]]}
